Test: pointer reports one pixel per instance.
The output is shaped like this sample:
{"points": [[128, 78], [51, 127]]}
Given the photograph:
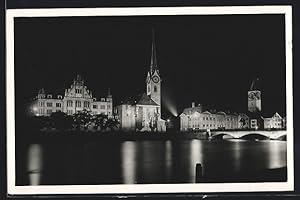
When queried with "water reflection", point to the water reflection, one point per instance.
{"points": [[34, 164], [129, 154], [131, 162], [237, 153], [168, 157], [276, 154], [195, 157]]}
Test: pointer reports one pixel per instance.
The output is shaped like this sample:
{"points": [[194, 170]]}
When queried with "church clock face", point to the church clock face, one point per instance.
{"points": [[155, 79], [257, 95], [251, 96], [254, 96]]}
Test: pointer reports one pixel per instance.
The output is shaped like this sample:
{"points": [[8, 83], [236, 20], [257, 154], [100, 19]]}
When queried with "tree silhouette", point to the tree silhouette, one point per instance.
{"points": [[99, 121], [111, 123], [82, 119], [61, 121]]}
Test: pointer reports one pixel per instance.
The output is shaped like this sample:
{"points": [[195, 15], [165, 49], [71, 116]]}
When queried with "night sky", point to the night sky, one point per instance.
{"points": [[207, 59]]}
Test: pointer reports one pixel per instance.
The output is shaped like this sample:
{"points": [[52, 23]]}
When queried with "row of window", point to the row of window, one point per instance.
{"points": [[211, 125], [48, 111], [49, 104], [78, 91], [102, 107], [214, 119], [86, 104]]}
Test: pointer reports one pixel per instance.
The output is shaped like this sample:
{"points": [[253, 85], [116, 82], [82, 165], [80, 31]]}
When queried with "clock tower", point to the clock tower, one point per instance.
{"points": [[153, 80], [254, 98]]}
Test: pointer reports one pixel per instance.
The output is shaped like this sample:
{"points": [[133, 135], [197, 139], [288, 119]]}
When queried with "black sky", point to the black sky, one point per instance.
{"points": [[207, 59]]}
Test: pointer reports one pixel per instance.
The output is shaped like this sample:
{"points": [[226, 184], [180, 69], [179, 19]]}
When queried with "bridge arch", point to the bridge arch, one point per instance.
{"points": [[255, 136], [223, 136]]}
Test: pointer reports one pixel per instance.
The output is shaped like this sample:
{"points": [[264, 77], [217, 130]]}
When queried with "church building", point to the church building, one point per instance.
{"points": [[254, 106], [144, 113]]}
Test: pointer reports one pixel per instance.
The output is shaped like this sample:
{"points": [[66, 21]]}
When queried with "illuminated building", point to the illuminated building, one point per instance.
{"points": [[254, 106], [201, 118], [76, 98], [144, 114], [274, 122]]}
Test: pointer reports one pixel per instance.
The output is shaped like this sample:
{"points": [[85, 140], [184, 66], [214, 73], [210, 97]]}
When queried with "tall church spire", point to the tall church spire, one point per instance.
{"points": [[153, 64]]}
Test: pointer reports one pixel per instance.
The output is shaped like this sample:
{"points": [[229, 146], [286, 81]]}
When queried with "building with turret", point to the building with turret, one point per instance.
{"points": [[76, 98]]}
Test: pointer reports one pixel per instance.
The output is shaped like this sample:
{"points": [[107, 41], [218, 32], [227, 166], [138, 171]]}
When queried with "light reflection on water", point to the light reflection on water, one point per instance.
{"points": [[276, 152], [131, 162], [196, 156], [237, 153], [128, 151], [35, 164], [168, 155]]}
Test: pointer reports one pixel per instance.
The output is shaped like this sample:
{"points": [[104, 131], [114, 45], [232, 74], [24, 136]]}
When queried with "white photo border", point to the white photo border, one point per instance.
{"points": [[12, 189]]}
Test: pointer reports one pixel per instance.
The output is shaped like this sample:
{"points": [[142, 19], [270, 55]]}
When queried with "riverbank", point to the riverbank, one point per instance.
{"points": [[86, 136]]}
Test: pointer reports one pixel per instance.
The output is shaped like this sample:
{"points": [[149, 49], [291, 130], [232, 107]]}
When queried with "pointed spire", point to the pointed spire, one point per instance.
{"points": [[153, 64], [255, 84]]}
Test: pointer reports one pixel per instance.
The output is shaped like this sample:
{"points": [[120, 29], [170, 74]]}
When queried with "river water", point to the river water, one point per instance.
{"points": [[152, 161]]}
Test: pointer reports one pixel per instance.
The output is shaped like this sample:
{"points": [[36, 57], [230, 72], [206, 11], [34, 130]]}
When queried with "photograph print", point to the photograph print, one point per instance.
{"points": [[161, 100]]}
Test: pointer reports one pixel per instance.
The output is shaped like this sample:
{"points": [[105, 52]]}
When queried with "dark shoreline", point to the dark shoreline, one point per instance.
{"points": [[30, 136]]}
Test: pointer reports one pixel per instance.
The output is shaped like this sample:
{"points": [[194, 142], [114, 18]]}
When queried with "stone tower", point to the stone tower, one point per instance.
{"points": [[254, 97], [153, 80]]}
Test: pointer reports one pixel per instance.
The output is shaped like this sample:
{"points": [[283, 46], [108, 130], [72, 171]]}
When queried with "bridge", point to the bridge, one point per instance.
{"points": [[258, 134]]}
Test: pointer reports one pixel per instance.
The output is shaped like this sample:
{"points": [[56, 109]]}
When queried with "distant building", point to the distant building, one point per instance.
{"points": [[201, 118], [76, 98], [274, 122], [144, 114]]}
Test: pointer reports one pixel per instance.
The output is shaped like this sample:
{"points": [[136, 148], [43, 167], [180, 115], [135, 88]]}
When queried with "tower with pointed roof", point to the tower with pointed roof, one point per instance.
{"points": [[153, 80], [254, 97]]}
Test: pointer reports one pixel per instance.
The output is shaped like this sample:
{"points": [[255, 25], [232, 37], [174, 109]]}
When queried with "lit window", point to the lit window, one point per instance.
{"points": [[86, 104], [69, 103], [78, 91], [78, 104]]}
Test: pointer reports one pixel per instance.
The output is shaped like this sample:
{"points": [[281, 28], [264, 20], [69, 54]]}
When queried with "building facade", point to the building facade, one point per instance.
{"points": [[144, 114], [76, 98], [201, 118], [274, 122]]}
